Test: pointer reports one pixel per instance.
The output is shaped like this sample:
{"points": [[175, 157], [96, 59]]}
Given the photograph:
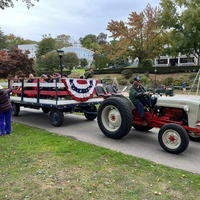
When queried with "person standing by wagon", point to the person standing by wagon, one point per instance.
{"points": [[5, 111], [115, 84], [184, 87]]}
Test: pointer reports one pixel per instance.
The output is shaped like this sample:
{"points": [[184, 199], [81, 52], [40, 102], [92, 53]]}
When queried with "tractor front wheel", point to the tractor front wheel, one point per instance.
{"points": [[194, 137], [173, 138]]}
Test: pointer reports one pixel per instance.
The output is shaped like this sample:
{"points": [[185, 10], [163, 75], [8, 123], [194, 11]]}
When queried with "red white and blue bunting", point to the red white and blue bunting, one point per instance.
{"points": [[80, 89]]}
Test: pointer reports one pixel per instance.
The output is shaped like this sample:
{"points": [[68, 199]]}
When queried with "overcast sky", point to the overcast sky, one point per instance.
{"points": [[76, 18]]}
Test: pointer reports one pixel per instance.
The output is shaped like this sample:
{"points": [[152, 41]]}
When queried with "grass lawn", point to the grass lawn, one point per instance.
{"points": [[79, 70], [131, 66], [36, 164]]}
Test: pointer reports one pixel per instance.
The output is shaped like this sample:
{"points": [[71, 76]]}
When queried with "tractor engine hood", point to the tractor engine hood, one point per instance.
{"points": [[189, 105]]}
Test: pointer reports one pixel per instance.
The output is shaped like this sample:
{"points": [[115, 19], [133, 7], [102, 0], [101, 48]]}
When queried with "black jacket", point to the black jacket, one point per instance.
{"points": [[5, 104]]}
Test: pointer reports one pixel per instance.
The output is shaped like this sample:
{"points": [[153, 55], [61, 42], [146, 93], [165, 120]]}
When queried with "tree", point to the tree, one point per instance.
{"points": [[46, 45], [16, 63], [2, 40], [63, 41], [89, 42], [13, 41], [83, 62], [101, 38], [70, 60], [181, 18], [101, 61], [10, 3], [139, 37], [49, 63]]}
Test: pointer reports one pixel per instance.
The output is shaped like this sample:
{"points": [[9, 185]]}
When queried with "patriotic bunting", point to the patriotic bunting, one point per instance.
{"points": [[80, 89]]}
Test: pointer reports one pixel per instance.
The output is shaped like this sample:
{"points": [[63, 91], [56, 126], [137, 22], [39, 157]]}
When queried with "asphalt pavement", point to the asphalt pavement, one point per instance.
{"points": [[140, 144]]}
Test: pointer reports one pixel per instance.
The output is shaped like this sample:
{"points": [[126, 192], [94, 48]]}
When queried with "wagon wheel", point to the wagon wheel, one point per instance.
{"points": [[141, 128], [45, 110], [194, 137], [91, 113], [173, 138], [115, 117], [56, 118], [15, 109]]}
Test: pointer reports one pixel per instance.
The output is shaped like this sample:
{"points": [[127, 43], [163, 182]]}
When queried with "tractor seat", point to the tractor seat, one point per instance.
{"points": [[110, 89], [100, 91]]}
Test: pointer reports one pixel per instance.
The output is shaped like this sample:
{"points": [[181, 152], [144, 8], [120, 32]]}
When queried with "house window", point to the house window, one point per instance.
{"points": [[187, 60], [162, 61]]}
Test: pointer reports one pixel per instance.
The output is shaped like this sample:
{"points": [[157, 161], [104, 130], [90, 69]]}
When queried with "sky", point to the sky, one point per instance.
{"points": [[76, 18]]}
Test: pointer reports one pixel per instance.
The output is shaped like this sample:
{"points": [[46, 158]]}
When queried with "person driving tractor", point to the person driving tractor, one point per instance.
{"points": [[139, 97]]}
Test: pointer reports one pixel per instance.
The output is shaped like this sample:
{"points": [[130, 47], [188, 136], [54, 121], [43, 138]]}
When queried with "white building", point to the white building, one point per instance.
{"points": [[31, 48], [180, 60], [81, 52]]}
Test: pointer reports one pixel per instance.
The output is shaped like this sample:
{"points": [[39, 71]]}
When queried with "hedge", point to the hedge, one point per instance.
{"points": [[159, 70]]}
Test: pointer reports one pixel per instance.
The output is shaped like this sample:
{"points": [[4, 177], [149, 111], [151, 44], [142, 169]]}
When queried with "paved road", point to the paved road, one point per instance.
{"points": [[139, 144]]}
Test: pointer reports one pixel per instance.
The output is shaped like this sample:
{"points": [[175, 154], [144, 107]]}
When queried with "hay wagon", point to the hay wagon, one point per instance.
{"points": [[57, 97]]}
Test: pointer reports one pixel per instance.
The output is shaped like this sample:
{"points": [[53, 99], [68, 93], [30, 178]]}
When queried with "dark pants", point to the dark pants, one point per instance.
{"points": [[5, 122], [140, 109], [145, 100]]}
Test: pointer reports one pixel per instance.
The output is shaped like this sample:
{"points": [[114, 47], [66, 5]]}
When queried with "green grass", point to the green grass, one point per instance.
{"points": [[187, 92], [3, 80], [132, 66], [79, 70], [36, 164]]}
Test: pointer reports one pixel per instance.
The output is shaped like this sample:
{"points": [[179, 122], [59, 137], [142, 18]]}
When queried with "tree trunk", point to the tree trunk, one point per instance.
{"points": [[140, 61]]}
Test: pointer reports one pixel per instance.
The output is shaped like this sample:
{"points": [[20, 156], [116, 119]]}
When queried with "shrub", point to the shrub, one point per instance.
{"points": [[147, 63], [88, 74], [122, 81], [83, 62], [178, 82], [168, 81], [192, 76], [127, 73], [75, 75], [145, 79]]}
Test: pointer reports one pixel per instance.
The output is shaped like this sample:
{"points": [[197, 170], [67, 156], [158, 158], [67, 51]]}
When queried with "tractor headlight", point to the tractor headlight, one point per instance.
{"points": [[186, 108]]}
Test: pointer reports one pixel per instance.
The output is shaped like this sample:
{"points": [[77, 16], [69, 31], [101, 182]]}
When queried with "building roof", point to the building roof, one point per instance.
{"points": [[77, 48], [27, 46]]}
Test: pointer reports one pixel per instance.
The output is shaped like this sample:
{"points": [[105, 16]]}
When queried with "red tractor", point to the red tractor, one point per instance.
{"points": [[177, 118]]}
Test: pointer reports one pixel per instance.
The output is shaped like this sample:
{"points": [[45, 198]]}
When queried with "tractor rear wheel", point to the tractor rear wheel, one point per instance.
{"points": [[173, 138], [115, 117]]}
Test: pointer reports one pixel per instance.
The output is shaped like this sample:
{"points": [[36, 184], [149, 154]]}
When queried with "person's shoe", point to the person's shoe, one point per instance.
{"points": [[2, 134], [8, 133]]}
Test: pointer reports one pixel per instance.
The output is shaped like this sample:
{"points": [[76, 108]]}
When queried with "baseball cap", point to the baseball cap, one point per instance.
{"points": [[137, 78]]}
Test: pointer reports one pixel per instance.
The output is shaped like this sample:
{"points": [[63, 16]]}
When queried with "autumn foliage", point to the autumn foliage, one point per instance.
{"points": [[139, 37], [15, 63]]}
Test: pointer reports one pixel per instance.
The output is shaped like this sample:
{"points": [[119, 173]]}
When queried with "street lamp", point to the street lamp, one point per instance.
{"points": [[155, 71], [60, 54]]}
